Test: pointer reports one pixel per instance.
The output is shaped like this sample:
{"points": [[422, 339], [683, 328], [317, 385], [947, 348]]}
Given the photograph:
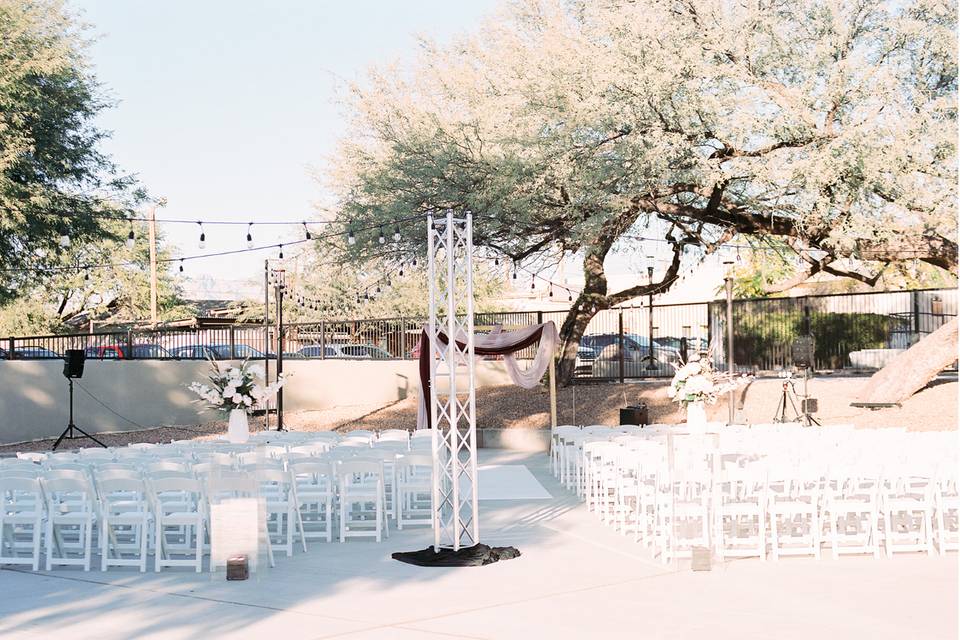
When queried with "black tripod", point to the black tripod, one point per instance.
{"points": [[787, 396], [71, 431]]}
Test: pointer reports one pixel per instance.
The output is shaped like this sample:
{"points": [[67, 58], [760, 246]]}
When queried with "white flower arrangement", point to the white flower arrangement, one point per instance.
{"points": [[698, 381], [236, 387]]}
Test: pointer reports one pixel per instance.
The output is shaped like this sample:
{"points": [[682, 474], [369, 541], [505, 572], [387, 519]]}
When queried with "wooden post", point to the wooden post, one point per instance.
{"points": [[152, 227], [553, 392]]}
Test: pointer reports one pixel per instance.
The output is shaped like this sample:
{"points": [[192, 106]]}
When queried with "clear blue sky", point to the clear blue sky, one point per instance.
{"points": [[224, 105]]}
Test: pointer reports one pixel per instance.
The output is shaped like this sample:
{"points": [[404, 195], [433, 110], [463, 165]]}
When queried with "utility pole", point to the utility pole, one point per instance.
{"points": [[732, 394], [650, 365], [152, 227], [266, 338], [279, 282]]}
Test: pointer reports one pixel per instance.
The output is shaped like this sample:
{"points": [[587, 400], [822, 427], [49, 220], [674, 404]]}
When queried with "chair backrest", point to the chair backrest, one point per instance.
{"points": [[141, 445], [116, 466], [79, 491], [350, 471], [311, 467], [415, 460], [76, 466], [113, 484], [311, 449], [391, 445], [32, 456], [91, 453], [394, 435], [28, 470], [354, 442], [21, 495], [167, 465]]}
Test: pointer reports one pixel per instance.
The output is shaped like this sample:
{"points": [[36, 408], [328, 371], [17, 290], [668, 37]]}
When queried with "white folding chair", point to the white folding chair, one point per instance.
{"points": [[853, 511], [71, 511], [21, 520], [314, 491], [124, 520], [280, 503], [794, 507], [179, 512], [414, 490], [740, 500], [361, 484]]}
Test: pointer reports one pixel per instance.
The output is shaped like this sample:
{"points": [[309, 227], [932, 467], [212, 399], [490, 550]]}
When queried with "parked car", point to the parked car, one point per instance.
{"points": [[121, 352], [316, 351], [216, 352], [34, 352], [694, 345], [636, 358], [337, 350]]}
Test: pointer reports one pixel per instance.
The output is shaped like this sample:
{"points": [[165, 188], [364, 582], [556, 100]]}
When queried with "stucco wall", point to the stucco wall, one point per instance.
{"points": [[33, 394]]}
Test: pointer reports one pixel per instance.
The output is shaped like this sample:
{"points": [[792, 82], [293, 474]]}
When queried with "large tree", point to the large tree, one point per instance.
{"points": [[571, 126], [54, 179]]}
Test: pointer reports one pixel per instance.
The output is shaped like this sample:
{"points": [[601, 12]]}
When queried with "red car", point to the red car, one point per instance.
{"points": [[120, 352]]}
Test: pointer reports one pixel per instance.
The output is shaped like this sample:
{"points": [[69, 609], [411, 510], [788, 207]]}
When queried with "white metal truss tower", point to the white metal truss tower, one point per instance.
{"points": [[452, 390]]}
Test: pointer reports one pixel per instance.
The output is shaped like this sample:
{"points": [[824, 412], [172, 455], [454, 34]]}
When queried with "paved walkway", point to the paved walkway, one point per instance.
{"points": [[575, 579]]}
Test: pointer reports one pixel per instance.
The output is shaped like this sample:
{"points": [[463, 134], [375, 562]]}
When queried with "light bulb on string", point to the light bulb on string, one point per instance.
{"points": [[533, 284], [414, 263], [396, 234], [306, 232], [381, 239], [378, 289], [739, 259], [181, 265], [550, 291], [281, 252], [400, 273], [351, 239], [569, 296], [496, 262], [130, 236], [203, 236], [250, 236], [86, 274]]}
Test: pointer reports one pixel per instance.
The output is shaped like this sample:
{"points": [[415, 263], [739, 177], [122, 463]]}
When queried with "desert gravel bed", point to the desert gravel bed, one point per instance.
{"points": [[509, 407]]}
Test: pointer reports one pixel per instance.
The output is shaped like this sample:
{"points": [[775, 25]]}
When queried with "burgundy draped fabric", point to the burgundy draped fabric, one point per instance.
{"points": [[501, 350]]}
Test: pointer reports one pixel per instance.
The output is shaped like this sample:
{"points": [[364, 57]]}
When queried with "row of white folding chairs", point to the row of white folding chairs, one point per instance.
{"points": [[631, 486], [354, 482]]}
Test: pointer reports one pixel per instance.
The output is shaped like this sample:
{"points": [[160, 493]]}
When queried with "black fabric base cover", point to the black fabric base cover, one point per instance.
{"points": [[475, 556]]}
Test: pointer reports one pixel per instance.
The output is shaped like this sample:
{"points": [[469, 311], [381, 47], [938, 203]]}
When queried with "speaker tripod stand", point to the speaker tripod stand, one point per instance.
{"points": [[788, 396], [70, 433]]}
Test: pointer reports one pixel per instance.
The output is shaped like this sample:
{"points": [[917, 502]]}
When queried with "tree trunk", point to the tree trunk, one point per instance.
{"points": [[911, 370], [570, 333]]}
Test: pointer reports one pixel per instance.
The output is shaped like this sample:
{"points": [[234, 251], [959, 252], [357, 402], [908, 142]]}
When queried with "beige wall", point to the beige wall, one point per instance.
{"points": [[33, 394]]}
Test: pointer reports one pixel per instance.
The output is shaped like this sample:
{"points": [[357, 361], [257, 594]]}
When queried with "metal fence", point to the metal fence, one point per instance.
{"points": [[620, 343]]}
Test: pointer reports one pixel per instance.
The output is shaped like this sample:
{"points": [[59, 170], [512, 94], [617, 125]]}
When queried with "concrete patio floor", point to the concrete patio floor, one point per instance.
{"points": [[575, 579]]}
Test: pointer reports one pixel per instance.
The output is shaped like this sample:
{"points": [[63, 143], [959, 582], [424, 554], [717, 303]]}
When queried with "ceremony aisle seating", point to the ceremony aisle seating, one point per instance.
{"points": [[777, 489]]}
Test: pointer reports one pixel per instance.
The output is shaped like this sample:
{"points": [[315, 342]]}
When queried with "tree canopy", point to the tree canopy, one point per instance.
{"points": [[54, 179], [571, 126]]}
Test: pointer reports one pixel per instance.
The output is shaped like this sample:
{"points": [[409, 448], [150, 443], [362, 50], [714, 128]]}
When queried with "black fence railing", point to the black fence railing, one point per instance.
{"points": [[621, 343]]}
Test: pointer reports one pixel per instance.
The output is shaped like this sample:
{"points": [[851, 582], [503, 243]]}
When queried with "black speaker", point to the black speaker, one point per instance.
{"points": [[635, 415], [73, 367], [804, 352]]}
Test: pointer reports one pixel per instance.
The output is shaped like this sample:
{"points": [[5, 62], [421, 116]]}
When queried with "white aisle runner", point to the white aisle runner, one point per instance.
{"points": [[509, 482]]}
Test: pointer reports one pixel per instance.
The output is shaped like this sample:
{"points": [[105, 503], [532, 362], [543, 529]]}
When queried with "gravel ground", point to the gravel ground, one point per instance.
{"points": [[509, 407]]}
